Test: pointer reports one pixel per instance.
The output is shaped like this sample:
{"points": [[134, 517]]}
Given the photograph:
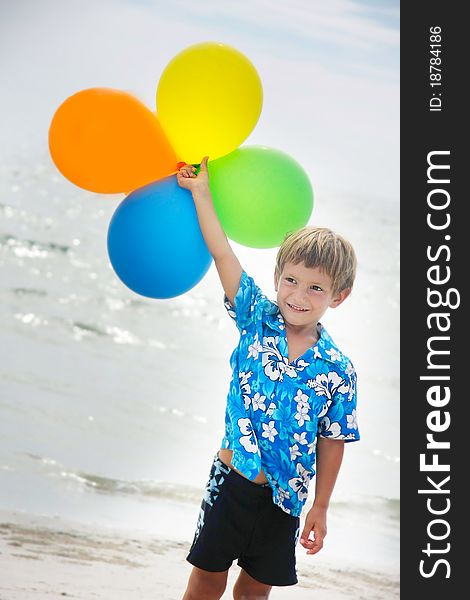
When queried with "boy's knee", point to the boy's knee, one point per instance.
{"points": [[250, 595], [243, 590], [204, 585]]}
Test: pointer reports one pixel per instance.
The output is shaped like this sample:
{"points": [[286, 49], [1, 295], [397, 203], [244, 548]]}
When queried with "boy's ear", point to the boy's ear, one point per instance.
{"points": [[275, 279], [340, 297]]}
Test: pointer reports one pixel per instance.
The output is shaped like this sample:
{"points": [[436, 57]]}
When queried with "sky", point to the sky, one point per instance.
{"points": [[329, 72]]}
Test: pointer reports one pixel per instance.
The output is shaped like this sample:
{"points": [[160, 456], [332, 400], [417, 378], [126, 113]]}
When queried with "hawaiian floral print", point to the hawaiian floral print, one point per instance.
{"points": [[217, 475], [276, 408]]}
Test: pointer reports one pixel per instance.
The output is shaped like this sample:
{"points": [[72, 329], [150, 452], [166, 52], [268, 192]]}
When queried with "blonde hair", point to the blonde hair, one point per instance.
{"points": [[321, 248]]}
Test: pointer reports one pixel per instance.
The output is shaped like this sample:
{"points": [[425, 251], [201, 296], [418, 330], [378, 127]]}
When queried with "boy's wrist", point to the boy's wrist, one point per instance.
{"points": [[201, 191], [320, 505]]}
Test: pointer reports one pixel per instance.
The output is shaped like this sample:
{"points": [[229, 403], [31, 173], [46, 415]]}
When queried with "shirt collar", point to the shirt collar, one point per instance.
{"points": [[325, 347], [274, 318]]}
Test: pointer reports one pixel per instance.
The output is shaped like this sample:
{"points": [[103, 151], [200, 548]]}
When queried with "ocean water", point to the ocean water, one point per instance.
{"points": [[106, 413]]}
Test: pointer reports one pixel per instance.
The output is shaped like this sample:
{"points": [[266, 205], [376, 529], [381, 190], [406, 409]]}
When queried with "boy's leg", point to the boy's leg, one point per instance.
{"points": [[205, 585], [247, 588]]}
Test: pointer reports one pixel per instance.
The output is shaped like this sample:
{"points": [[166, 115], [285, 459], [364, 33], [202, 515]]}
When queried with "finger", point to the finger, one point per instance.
{"points": [[315, 549], [204, 163], [319, 532], [316, 546], [305, 534], [317, 543]]}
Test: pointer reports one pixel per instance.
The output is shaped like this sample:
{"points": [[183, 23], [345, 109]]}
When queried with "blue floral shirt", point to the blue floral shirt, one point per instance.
{"points": [[276, 408]]}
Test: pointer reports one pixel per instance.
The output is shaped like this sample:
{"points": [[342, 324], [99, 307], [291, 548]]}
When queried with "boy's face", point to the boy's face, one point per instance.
{"points": [[310, 289]]}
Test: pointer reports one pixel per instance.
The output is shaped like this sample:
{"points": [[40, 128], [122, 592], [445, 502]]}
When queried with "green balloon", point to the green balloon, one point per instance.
{"points": [[260, 194]]}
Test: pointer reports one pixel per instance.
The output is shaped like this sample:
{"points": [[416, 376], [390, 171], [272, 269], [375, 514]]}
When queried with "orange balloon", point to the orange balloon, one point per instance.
{"points": [[107, 141]]}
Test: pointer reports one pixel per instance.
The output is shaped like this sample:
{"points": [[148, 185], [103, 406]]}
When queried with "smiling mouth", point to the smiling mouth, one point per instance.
{"points": [[296, 308]]}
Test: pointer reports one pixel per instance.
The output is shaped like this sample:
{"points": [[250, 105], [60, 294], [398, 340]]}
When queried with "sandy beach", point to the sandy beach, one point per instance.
{"points": [[44, 558]]}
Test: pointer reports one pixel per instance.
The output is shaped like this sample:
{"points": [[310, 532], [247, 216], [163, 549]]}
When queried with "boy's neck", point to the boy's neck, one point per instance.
{"points": [[308, 332]]}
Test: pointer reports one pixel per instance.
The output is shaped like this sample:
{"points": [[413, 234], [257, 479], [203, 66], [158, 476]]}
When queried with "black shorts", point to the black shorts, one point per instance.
{"points": [[238, 519]]}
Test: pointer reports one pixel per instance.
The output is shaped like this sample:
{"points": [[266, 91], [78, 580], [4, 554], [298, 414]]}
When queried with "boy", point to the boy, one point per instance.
{"points": [[292, 394]]}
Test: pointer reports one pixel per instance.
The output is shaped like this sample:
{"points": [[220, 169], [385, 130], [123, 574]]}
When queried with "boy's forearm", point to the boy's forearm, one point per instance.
{"points": [[329, 459], [214, 235]]}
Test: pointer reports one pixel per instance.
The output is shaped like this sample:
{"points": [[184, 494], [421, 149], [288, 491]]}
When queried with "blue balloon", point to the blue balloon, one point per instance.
{"points": [[155, 244]]}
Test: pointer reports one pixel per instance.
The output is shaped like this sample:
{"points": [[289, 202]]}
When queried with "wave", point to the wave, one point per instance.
{"points": [[389, 507], [25, 247], [21, 291]]}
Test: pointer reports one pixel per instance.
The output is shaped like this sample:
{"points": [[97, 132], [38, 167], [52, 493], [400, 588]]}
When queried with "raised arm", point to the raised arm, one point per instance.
{"points": [[226, 262]]}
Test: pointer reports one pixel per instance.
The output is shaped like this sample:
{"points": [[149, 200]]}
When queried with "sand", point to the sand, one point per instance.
{"points": [[42, 558]]}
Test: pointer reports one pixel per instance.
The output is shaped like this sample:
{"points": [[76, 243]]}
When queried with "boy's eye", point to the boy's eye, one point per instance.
{"points": [[317, 288]]}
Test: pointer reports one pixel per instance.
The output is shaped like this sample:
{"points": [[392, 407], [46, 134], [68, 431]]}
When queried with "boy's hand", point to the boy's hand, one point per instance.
{"points": [[188, 179], [315, 522]]}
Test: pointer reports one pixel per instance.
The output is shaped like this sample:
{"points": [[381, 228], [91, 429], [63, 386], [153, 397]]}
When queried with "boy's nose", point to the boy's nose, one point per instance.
{"points": [[301, 296]]}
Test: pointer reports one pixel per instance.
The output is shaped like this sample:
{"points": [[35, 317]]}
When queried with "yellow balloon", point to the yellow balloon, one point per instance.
{"points": [[209, 99]]}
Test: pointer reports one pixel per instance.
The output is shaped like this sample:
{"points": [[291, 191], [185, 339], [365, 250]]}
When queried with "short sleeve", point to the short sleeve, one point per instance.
{"points": [[246, 300], [338, 419]]}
